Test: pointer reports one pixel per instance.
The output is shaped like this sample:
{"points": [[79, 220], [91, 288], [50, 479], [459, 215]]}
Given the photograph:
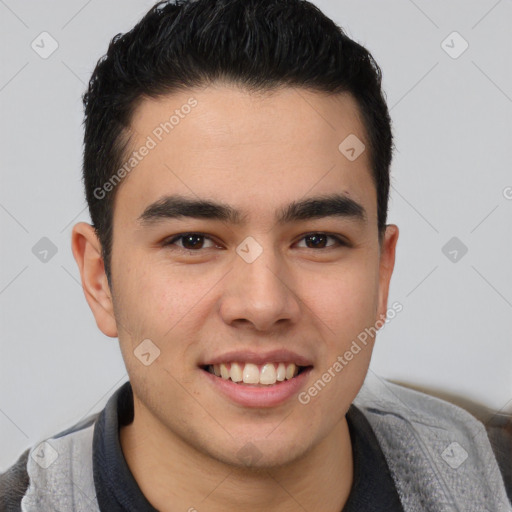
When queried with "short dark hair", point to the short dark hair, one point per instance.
{"points": [[259, 45]]}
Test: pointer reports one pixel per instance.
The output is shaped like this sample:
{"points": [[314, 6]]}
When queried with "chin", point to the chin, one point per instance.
{"points": [[262, 454]]}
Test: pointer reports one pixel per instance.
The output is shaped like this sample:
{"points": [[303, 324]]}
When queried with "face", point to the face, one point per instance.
{"points": [[261, 284]]}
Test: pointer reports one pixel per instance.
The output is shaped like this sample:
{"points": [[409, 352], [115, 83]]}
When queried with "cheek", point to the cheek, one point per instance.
{"points": [[152, 298], [161, 305], [344, 301]]}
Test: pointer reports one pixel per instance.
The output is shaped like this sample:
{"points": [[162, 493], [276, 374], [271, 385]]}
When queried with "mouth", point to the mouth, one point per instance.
{"points": [[262, 380], [256, 375]]}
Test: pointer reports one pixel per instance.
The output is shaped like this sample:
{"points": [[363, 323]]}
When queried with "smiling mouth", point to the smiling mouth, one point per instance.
{"points": [[267, 374]]}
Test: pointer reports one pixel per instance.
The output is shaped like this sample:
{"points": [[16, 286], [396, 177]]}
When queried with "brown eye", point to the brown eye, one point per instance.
{"points": [[189, 241], [316, 241], [192, 241], [319, 241]]}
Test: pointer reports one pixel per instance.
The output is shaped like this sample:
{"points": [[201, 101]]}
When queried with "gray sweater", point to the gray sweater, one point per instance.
{"points": [[439, 456]]}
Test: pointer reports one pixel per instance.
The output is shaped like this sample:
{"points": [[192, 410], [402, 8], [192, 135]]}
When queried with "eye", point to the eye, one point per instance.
{"points": [[190, 241], [196, 241], [319, 241]]}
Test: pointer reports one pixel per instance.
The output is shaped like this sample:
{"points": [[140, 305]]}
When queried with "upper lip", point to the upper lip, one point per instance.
{"points": [[248, 356]]}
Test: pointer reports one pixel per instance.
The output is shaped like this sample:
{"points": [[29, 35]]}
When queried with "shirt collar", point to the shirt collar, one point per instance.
{"points": [[117, 490]]}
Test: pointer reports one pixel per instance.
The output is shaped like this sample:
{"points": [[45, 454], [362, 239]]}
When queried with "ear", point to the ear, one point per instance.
{"points": [[386, 265], [86, 249]]}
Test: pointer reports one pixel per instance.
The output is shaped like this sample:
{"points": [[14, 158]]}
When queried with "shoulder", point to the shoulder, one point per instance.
{"points": [[436, 451], [44, 470], [381, 397], [14, 484]]}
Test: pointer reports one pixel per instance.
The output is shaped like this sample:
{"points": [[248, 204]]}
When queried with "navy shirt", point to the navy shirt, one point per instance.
{"points": [[373, 488]]}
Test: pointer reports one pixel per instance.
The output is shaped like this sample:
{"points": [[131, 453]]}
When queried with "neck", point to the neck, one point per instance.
{"points": [[320, 481]]}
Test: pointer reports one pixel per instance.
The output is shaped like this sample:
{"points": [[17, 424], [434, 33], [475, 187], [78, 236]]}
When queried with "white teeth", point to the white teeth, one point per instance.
{"points": [[224, 372], [249, 373], [235, 372], [268, 374], [281, 372], [290, 371]]}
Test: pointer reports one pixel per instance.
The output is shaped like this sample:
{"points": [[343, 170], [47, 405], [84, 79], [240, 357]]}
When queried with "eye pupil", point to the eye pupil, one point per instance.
{"points": [[319, 240], [191, 238]]}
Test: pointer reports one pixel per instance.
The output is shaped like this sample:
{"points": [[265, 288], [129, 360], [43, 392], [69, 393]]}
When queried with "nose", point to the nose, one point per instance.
{"points": [[260, 294]]}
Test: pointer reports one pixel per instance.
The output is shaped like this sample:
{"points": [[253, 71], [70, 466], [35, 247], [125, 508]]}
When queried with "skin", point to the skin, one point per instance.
{"points": [[257, 153]]}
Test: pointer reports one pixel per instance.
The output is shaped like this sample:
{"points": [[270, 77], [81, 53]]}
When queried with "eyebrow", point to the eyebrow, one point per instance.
{"points": [[176, 206]]}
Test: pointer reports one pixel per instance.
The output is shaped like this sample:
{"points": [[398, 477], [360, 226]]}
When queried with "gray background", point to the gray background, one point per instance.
{"points": [[451, 175]]}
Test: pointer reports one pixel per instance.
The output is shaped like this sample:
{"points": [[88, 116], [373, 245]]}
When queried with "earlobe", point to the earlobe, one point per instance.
{"points": [[87, 252], [386, 266]]}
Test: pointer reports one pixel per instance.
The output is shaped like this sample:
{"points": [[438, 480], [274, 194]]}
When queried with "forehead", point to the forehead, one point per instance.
{"points": [[251, 150]]}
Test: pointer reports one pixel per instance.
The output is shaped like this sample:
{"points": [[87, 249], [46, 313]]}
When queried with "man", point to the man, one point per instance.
{"points": [[236, 166]]}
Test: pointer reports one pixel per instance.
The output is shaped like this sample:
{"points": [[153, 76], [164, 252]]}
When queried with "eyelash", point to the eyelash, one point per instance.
{"points": [[340, 242]]}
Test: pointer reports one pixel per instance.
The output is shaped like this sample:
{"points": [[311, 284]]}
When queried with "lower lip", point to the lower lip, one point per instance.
{"points": [[259, 396]]}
